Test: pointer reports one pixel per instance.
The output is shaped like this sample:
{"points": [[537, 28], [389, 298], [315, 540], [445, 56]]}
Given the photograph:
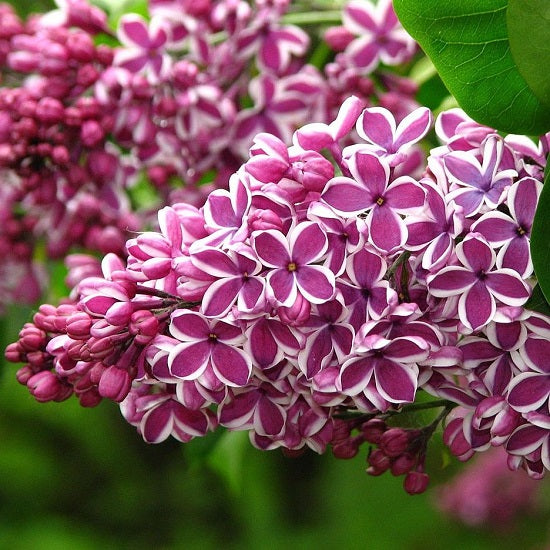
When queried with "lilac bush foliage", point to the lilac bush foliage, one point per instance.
{"points": [[326, 291], [173, 101]]}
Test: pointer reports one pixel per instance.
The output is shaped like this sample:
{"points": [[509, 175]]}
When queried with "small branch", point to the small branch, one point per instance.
{"points": [[331, 17]]}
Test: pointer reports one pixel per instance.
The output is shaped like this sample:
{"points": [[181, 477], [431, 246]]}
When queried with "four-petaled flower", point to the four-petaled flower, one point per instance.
{"points": [[371, 191], [477, 283], [291, 262], [206, 343]]}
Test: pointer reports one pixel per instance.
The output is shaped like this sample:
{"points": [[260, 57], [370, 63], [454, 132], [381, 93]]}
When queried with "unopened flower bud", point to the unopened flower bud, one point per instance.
{"points": [[264, 219], [13, 353], [402, 464], [50, 110], [24, 374], [394, 442], [416, 482], [378, 462], [44, 386], [144, 326], [296, 314], [115, 384], [78, 326], [338, 38], [346, 449], [373, 429], [91, 133]]}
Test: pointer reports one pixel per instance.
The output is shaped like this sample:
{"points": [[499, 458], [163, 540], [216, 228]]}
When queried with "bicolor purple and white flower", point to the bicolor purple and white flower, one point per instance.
{"points": [[478, 283]]}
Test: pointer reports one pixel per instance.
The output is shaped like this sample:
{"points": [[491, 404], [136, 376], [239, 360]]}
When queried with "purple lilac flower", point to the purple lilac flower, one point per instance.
{"points": [[238, 313]]}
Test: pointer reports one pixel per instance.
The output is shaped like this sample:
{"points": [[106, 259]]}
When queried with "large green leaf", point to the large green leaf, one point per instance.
{"points": [[529, 35], [540, 240], [468, 43]]}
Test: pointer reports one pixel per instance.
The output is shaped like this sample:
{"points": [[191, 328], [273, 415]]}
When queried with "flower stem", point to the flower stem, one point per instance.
{"points": [[332, 17]]}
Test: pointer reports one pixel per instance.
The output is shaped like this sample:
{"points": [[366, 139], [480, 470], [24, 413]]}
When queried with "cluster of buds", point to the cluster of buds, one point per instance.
{"points": [[401, 451], [174, 102]]}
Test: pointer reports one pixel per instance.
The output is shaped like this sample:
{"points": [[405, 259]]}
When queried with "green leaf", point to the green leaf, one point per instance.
{"points": [[540, 238], [531, 18], [538, 302], [469, 46]]}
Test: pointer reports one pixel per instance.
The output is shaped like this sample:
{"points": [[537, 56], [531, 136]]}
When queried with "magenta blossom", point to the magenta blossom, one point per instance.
{"points": [[371, 192], [478, 283], [292, 264]]}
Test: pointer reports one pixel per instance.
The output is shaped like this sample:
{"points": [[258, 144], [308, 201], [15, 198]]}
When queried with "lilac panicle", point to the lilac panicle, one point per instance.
{"points": [[329, 275]]}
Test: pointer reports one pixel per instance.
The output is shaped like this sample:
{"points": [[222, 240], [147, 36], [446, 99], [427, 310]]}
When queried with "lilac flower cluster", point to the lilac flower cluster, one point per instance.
{"points": [[174, 104], [326, 286]]}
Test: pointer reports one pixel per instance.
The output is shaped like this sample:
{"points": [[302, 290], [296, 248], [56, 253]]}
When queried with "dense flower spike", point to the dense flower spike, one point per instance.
{"points": [[287, 302], [334, 278]]}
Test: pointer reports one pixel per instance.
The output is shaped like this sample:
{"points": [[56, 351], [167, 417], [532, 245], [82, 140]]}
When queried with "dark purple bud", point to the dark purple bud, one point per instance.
{"points": [[378, 463], [373, 429], [89, 398], [346, 449], [416, 482], [402, 464], [341, 430], [394, 442]]}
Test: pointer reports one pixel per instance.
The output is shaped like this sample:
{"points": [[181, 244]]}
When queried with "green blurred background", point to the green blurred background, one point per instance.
{"points": [[83, 479]]}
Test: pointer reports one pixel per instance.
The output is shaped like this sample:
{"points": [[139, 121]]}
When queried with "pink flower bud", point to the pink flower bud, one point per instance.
{"points": [[50, 110], [394, 442], [54, 58], [78, 326], [23, 61], [31, 338], [342, 430], [44, 386], [81, 47], [115, 384], [144, 326], [296, 314], [416, 482], [338, 38], [13, 353], [91, 133], [24, 374], [264, 219], [89, 398], [100, 347], [87, 75]]}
